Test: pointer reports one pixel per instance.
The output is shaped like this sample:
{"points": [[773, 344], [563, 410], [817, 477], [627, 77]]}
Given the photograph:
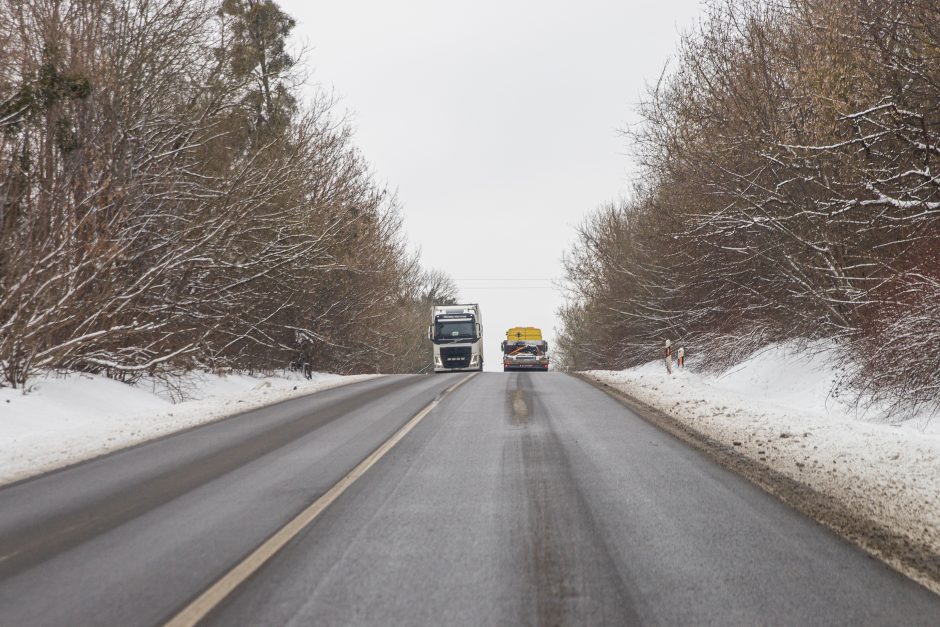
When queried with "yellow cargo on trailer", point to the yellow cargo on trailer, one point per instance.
{"points": [[522, 334], [524, 349]]}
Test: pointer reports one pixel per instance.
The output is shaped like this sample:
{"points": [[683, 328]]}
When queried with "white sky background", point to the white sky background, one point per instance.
{"points": [[496, 122]]}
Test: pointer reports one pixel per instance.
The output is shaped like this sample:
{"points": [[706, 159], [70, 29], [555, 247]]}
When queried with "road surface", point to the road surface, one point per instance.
{"points": [[524, 498]]}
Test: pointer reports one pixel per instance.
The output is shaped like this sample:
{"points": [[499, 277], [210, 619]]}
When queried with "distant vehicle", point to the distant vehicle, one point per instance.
{"points": [[456, 331], [524, 349]]}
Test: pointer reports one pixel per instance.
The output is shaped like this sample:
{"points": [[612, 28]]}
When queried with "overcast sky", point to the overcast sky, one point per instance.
{"points": [[497, 122]]}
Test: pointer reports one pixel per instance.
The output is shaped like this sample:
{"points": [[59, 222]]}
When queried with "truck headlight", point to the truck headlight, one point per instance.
{"points": [[475, 359], [437, 361]]}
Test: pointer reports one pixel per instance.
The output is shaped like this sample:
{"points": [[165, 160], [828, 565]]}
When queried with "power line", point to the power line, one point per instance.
{"points": [[503, 287]]}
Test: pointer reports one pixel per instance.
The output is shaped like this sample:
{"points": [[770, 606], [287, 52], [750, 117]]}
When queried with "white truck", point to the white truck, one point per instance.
{"points": [[456, 331]]}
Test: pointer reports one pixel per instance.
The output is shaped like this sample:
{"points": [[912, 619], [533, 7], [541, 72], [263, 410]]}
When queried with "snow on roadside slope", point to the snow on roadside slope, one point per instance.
{"points": [[70, 418], [775, 408]]}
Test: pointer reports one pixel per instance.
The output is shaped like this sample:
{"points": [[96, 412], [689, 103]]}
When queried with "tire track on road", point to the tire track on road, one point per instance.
{"points": [[572, 578]]}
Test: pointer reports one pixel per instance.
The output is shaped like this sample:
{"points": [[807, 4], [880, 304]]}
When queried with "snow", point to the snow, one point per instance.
{"points": [[64, 419], [776, 408]]}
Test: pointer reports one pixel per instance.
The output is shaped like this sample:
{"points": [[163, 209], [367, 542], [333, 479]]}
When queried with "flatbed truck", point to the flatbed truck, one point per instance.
{"points": [[524, 349]]}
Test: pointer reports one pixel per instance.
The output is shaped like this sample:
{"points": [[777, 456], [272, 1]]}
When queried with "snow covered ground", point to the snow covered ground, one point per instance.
{"points": [[776, 408], [67, 419]]}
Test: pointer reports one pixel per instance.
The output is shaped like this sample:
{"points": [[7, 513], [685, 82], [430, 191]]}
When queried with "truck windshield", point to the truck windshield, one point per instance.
{"points": [[454, 330]]}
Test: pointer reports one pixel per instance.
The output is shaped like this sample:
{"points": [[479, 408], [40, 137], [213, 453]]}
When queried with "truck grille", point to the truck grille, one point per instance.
{"points": [[456, 356]]}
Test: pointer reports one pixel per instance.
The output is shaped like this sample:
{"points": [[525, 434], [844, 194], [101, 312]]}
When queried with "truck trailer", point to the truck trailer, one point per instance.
{"points": [[524, 349], [456, 332]]}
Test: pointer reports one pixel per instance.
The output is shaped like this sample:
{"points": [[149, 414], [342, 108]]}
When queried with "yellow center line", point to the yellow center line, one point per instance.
{"points": [[222, 588]]}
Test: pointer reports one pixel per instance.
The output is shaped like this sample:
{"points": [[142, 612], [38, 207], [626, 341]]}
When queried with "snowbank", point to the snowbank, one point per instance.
{"points": [[777, 410], [70, 418]]}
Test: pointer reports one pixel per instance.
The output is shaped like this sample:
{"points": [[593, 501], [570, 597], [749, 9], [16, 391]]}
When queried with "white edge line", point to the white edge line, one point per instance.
{"points": [[200, 607]]}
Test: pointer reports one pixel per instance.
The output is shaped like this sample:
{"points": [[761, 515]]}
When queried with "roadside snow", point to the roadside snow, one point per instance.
{"points": [[776, 408], [70, 418]]}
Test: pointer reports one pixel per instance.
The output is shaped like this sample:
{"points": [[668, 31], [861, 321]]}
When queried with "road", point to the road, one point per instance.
{"points": [[525, 498]]}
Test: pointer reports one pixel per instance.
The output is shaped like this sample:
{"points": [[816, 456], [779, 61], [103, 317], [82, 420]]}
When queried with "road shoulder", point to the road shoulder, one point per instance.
{"points": [[912, 556], [84, 420]]}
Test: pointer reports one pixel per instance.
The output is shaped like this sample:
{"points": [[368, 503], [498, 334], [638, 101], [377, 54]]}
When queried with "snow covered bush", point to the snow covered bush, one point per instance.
{"points": [[895, 359]]}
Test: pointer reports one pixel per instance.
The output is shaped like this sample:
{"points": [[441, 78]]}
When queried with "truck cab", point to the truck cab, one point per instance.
{"points": [[456, 333]]}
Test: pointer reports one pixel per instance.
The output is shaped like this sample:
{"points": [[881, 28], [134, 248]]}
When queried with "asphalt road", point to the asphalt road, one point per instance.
{"points": [[526, 498]]}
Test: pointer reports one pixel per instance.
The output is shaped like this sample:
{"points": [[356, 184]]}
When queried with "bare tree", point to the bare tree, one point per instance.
{"points": [[788, 194], [167, 202]]}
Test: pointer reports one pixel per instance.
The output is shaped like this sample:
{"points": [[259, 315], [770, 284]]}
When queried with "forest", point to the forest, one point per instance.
{"points": [[170, 200], [787, 192]]}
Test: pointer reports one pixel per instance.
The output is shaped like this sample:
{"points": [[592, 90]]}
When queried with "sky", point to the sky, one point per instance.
{"points": [[498, 124]]}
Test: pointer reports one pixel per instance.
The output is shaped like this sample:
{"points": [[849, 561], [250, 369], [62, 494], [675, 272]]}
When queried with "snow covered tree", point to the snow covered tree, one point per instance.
{"points": [[789, 193], [168, 202]]}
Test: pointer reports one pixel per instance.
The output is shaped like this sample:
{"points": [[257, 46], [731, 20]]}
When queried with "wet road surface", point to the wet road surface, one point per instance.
{"points": [[522, 498]]}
